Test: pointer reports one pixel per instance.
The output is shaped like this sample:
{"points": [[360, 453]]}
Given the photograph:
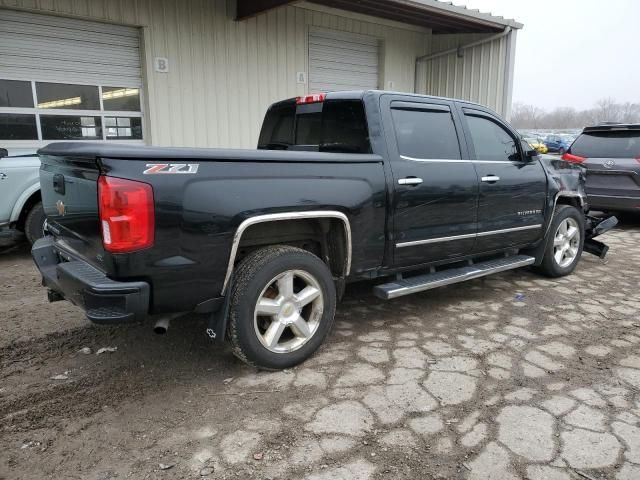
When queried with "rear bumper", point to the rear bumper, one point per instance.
{"points": [[614, 203], [104, 301]]}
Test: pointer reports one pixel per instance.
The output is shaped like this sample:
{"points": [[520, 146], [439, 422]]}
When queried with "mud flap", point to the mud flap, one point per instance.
{"points": [[594, 227], [217, 326]]}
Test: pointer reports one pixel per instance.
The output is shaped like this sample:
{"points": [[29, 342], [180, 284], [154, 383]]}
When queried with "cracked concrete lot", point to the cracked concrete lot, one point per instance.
{"points": [[467, 382]]}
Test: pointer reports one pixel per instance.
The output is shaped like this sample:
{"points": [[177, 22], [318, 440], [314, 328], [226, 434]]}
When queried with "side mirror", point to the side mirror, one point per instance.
{"points": [[3, 153], [530, 154]]}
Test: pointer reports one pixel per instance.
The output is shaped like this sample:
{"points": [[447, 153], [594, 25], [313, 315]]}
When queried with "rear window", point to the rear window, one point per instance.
{"points": [[620, 144], [426, 134], [333, 126]]}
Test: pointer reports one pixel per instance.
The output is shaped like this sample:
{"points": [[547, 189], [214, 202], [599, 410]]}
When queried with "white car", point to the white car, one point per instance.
{"points": [[20, 202]]}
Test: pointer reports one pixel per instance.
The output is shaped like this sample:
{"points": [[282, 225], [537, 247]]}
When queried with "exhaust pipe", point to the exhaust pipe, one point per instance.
{"points": [[161, 326]]}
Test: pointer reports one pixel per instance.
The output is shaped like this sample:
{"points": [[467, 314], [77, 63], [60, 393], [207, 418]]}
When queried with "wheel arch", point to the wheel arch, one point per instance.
{"points": [[25, 202], [338, 218]]}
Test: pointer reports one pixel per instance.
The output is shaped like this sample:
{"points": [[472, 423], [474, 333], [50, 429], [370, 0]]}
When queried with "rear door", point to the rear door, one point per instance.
{"points": [[612, 160], [512, 194], [435, 190]]}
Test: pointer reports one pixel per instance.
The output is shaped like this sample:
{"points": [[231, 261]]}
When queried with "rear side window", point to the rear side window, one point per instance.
{"points": [[620, 144], [424, 134], [333, 126]]}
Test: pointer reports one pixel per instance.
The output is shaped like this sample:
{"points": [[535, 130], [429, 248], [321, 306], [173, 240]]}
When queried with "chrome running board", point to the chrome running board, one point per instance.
{"points": [[420, 283]]}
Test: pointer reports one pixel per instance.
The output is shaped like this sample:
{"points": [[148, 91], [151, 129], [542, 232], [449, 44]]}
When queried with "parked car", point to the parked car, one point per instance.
{"points": [[537, 144], [558, 143], [20, 202], [610, 154], [414, 191]]}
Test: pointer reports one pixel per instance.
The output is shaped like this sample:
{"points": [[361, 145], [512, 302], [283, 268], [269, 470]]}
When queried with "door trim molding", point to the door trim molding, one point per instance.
{"points": [[466, 236]]}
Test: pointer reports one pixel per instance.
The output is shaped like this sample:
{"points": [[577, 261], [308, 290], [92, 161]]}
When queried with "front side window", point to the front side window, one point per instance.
{"points": [[491, 141], [424, 134], [31, 110]]}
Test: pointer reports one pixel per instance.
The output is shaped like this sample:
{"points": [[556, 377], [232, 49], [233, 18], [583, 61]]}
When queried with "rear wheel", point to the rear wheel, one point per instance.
{"points": [[282, 307], [565, 242], [34, 223]]}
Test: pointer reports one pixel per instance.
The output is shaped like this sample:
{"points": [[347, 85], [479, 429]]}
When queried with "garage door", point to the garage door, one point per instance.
{"points": [[58, 49], [342, 61], [68, 79]]}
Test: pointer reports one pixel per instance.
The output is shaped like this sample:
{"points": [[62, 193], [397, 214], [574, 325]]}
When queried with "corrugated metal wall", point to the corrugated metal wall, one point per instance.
{"points": [[479, 76], [223, 74]]}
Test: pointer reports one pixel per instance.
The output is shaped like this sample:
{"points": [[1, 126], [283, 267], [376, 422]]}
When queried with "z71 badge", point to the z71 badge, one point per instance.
{"points": [[171, 168]]}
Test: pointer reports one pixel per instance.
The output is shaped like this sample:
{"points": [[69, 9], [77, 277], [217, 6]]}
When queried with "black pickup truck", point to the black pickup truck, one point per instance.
{"points": [[414, 191]]}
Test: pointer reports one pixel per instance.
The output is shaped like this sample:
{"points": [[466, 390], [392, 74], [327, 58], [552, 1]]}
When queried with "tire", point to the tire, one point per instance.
{"points": [[278, 339], [34, 223], [554, 264]]}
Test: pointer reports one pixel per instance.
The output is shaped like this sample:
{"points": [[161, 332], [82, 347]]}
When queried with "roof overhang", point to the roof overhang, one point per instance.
{"points": [[438, 16]]}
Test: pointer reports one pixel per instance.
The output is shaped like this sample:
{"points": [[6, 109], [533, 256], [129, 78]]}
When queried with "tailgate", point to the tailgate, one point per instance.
{"points": [[619, 177], [69, 187]]}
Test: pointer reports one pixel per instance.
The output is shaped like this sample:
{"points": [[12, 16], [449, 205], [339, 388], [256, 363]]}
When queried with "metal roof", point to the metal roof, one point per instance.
{"points": [[439, 16]]}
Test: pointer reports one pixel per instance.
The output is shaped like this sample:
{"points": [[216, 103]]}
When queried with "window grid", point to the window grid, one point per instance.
{"points": [[102, 113]]}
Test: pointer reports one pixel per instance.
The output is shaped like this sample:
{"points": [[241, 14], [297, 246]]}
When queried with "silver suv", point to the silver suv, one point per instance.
{"points": [[20, 203]]}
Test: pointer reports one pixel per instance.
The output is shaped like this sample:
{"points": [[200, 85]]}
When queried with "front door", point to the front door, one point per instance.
{"points": [[512, 188], [435, 191]]}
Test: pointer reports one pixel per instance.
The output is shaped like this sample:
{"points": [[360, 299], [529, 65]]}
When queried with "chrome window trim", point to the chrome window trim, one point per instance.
{"points": [[445, 160], [278, 217], [466, 236], [615, 196]]}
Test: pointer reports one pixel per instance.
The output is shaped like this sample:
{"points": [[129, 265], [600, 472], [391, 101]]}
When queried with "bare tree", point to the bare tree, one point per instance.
{"points": [[526, 116]]}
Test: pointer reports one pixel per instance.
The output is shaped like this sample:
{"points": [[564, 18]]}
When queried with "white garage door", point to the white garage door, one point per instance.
{"points": [[68, 79], [58, 49], [342, 61]]}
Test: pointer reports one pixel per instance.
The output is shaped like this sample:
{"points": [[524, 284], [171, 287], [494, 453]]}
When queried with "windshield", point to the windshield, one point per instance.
{"points": [[608, 144]]}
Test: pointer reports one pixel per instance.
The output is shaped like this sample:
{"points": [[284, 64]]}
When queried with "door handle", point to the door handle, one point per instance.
{"points": [[3, 175], [490, 179], [410, 181]]}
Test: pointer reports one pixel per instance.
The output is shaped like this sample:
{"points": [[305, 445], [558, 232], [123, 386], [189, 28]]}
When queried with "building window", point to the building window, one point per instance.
{"points": [[43, 111]]}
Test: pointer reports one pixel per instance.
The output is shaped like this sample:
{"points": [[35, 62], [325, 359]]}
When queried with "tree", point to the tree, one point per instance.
{"points": [[526, 116]]}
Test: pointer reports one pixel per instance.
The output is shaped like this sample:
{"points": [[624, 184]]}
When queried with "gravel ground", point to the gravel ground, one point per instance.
{"points": [[513, 376]]}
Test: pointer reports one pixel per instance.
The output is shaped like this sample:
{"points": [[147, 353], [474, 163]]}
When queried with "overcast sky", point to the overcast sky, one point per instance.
{"points": [[573, 52]]}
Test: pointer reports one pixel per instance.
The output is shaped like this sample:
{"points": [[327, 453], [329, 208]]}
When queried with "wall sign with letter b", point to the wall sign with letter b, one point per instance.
{"points": [[161, 64]]}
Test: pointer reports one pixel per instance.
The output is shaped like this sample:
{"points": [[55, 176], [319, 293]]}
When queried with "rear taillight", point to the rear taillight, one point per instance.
{"points": [[315, 98], [126, 214], [569, 157]]}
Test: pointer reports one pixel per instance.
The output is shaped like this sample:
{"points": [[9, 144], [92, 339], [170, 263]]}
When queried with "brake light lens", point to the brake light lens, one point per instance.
{"points": [[126, 214], [569, 157], [315, 98]]}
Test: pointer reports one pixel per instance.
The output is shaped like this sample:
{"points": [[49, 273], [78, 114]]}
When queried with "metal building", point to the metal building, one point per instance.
{"points": [[202, 72]]}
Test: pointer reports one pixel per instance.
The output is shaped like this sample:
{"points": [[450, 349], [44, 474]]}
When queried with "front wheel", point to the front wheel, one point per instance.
{"points": [[564, 245], [282, 306]]}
